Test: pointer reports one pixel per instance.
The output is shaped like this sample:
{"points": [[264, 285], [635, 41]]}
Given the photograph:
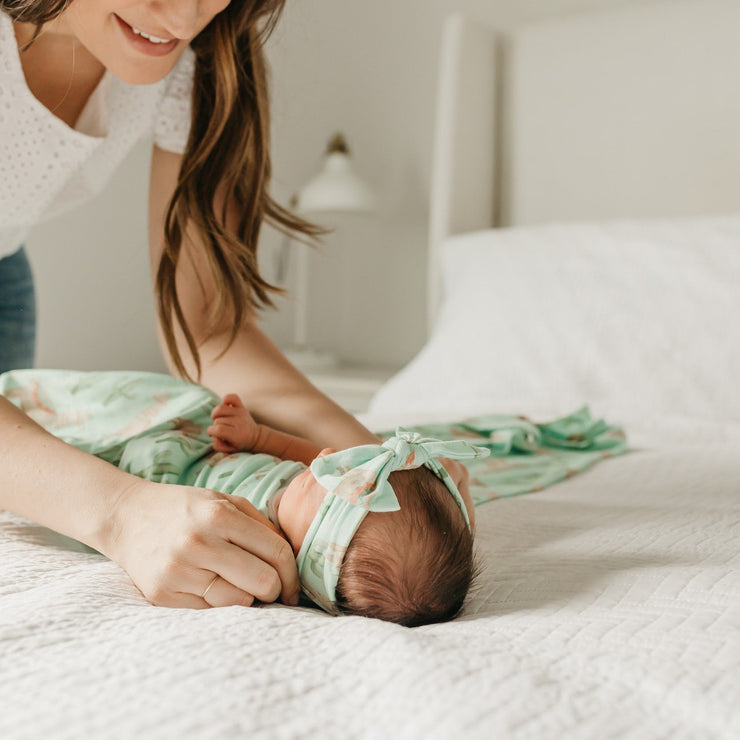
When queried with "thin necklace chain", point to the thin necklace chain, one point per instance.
{"points": [[71, 78]]}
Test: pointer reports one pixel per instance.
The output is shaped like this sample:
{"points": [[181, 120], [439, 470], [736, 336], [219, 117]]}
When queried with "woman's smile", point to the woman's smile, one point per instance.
{"points": [[137, 41], [144, 42]]}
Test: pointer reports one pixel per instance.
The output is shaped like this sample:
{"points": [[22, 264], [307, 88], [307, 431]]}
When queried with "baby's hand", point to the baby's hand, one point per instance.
{"points": [[233, 427]]}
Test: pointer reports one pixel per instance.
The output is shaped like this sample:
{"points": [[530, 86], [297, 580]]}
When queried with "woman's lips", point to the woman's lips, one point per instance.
{"points": [[142, 44]]}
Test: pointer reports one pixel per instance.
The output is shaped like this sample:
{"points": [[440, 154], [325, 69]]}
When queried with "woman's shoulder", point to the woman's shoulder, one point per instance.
{"points": [[8, 43]]}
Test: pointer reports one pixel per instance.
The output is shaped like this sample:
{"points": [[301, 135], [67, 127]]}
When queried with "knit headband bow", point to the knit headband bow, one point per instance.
{"points": [[356, 481]]}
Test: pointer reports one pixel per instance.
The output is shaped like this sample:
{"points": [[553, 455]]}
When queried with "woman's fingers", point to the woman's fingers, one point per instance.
{"points": [[243, 570], [222, 593], [218, 593], [183, 601], [269, 547], [260, 561], [250, 510], [173, 540]]}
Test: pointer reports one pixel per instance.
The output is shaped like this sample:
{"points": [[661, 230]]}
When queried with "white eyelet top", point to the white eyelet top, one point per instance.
{"points": [[47, 167]]}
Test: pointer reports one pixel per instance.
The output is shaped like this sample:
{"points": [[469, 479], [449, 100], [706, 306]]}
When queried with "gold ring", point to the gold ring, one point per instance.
{"points": [[208, 587]]}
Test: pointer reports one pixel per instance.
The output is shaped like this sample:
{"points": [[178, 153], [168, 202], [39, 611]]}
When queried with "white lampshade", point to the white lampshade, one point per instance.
{"points": [[336, 187]]}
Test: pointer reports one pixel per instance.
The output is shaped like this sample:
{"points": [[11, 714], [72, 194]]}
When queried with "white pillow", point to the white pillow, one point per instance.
{"points": [[636, 318]]}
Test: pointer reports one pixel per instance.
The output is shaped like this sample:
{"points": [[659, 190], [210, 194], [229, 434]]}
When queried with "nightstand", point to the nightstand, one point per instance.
{"points": [[351, 386]]}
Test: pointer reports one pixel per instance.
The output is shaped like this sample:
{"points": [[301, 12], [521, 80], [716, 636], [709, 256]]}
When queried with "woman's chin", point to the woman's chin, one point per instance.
{"points": [[142, 72]]}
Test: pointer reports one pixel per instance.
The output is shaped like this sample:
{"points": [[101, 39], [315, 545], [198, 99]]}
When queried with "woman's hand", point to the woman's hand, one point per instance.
{"points": [[233, 428], [192, 547]]}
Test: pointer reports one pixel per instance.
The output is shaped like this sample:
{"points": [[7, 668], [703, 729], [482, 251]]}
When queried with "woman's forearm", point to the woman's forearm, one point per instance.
{"points": [[275, 392], [172, 540], [55, 484]]}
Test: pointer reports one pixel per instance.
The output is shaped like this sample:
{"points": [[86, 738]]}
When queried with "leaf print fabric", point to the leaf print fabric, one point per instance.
{"points": [[154, 426], [148, 424], [527, 457]]}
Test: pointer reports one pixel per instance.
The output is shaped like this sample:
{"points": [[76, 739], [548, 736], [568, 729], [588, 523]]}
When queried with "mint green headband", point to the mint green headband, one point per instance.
{"points": [[356, 481]]}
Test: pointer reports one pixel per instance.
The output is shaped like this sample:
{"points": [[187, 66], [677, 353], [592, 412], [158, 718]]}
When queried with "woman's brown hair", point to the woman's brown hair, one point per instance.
{"points": [[227, 154]]}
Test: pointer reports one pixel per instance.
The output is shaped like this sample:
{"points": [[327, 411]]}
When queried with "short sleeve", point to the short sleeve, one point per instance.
{"points": [[172, 121]]}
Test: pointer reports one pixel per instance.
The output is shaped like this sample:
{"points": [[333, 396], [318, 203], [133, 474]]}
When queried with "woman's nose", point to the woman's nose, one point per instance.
{"points": [[178, 17]]}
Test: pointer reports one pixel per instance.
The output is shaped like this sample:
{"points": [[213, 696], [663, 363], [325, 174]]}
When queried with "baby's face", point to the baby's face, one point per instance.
{"points": [[298, 505]]}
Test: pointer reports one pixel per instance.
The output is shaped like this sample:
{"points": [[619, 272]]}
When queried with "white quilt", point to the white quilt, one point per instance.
{"points": [[609, 607]]}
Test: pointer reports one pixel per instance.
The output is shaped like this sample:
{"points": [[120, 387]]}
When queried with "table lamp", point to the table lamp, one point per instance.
{"points": [[334, 189]]}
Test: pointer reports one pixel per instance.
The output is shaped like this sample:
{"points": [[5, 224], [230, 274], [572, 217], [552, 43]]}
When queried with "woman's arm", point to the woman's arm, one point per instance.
{"points": [[54, 484], [274, 391], [172, 540], [234, 429]]}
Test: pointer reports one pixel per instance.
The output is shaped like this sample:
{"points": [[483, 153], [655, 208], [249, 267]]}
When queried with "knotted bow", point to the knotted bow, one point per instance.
{"points": [[359, 475], [356, 481]]}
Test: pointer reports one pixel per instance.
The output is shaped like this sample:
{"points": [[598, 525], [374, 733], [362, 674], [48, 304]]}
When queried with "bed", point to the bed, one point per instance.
{"points": [[584, 247]]}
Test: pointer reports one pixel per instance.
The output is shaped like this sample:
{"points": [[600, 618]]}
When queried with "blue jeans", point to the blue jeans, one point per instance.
{"points": [[17, 312]]}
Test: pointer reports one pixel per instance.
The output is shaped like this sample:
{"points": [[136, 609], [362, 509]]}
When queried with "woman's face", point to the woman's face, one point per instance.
{"points": [[139, 41]]}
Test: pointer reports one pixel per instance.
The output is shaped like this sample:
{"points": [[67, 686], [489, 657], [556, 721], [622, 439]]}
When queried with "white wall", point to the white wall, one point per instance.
{"points": [[94, 300], [368, 69]]}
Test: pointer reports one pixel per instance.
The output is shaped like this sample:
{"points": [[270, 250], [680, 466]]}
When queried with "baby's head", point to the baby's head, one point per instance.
{"points": [[412, 566], [382, 531]]}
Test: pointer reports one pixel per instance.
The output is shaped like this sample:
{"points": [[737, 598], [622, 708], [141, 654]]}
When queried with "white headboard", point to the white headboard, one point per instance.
{"points": [[632, 112], [466, 145]]}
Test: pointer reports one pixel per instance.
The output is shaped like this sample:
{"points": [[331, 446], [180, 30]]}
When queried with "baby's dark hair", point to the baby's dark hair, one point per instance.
{"points": [[413, 566]]}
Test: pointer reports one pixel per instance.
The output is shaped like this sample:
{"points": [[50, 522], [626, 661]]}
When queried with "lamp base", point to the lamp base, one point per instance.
{"points": [[309, 360]]}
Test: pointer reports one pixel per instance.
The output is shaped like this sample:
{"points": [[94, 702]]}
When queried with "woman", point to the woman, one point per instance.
{"points": [[82, 80]]}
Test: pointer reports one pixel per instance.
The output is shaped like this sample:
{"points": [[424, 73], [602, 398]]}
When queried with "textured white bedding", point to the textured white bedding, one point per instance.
{"points": [[609, 607], [631, 316]]}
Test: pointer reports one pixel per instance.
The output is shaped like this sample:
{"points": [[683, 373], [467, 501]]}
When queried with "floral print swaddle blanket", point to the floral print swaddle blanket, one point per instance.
{"points": [[153, 426]]}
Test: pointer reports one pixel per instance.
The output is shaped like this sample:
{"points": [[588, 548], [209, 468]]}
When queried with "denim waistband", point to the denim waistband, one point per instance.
{"points": [[17, 312]]}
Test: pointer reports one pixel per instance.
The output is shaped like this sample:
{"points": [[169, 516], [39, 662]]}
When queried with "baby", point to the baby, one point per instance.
{"points": [[378, 530]]}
